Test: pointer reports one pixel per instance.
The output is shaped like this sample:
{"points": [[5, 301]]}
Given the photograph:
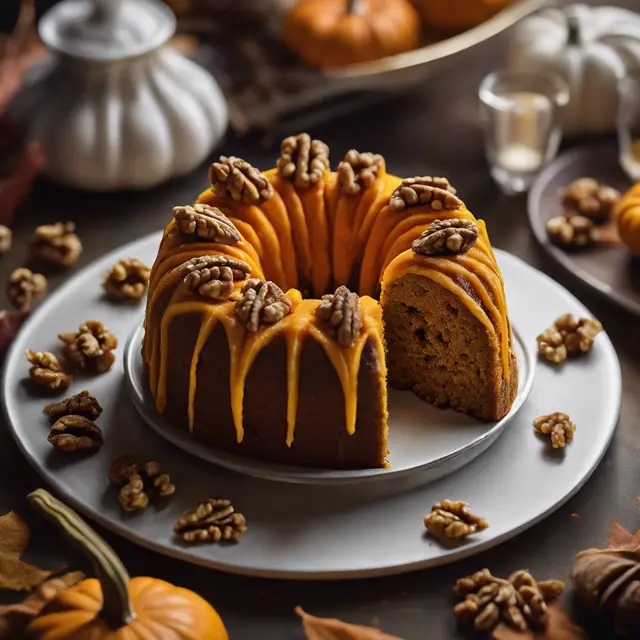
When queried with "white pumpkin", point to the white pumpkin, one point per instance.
{"points": [[118, 110], [591, 48]]}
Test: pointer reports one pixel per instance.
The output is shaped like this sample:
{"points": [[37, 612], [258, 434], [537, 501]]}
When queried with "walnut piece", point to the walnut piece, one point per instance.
{"points": [[261, 301], [213, 276], [557, 426], [567, 337], [6, 238], [590, 199], [572, 233], [452, 519], [56, 244], [358, 171], [24, 286], [47, 371], [237, 179], [342, 311], [138, 482], [425, 190], [302, 160], [127, 280], [90, 348], [82, 404], [444, 237], [75, 433], [212, 520], [206, 223], [520, 601]]}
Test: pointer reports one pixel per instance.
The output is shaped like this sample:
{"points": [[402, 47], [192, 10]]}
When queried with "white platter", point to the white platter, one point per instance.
{"points": [[307, 531], [425, 442]]}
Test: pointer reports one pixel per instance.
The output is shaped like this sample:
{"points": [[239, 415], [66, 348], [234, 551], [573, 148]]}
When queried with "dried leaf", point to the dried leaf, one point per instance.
{"points": [[15, 617], [15, 574], [560, 627], [621, 538], [333, 629], [10, 322]]}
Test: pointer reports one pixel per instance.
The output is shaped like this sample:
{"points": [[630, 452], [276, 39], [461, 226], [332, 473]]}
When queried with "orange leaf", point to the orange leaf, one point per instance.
{"points": [[15, 617], [333, 629], [560, 627], [15, 574], [620, 538]]}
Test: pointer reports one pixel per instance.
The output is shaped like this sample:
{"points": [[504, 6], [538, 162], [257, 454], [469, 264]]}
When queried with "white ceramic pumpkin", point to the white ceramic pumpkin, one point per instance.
{"points": [[118, 110], [591, 47]]}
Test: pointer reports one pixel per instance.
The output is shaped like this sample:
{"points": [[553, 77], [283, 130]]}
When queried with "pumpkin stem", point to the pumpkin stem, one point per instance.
{"points": [[116, 608], [574, 34], [354, 6]]}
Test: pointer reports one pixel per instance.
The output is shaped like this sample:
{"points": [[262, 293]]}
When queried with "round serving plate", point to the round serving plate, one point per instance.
{"points": [[311, 531], [424, 441], [607, 268]]}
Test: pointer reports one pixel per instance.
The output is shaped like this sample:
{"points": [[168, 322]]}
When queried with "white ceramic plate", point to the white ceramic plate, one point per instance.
{"points": [[308, 531]]}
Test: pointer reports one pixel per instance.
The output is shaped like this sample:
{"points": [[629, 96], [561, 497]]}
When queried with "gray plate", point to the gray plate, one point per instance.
{"points": [[309, 531]]}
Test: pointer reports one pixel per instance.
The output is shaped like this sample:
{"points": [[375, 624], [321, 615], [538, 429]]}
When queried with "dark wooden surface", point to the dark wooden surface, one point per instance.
{"points": [[432, 131]]}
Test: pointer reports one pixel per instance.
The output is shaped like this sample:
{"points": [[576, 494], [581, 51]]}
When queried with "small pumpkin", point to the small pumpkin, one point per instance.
{"points": [[627, 216], [337, 33], [115, 607], [458, 15]]}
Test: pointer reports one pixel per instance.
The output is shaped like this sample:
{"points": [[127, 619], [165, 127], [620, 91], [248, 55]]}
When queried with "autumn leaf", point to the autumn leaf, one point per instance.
{"points": [[622, 539], [15, 617], [560, 627], [15, 574], [333, 629]]}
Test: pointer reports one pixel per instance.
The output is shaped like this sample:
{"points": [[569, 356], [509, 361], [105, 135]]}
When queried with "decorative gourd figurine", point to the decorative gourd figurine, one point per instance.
{"points": [[118, 109], [627, 216], [137, 609], [337, 33], [457, 15], [591, 48]]}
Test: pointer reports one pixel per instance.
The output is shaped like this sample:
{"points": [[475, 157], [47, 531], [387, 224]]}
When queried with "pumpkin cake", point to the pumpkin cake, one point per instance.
{"points": [[263, 332]]}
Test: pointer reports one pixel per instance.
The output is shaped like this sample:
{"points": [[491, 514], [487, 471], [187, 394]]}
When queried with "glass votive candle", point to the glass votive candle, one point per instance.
{"points": [[629, 125], [521, 116]]}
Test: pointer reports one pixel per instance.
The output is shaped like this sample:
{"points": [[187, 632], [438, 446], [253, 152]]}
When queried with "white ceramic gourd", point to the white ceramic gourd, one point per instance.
{"points": [[118, 109], [591, 48]]}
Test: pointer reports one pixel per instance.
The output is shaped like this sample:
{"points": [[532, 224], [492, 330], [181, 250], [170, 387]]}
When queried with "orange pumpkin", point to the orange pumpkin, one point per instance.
{"points": [[138, 609], [458, 15], [336, 33], [627, 215]]}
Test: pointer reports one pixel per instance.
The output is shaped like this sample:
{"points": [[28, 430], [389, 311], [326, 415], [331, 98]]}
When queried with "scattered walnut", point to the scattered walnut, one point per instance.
{"points": [[137, 481], [358, 171], [213, 520], [261, 301], [56, 244], [82, 404], [24, 286], [206, 223], [571, 233], [47, 371], [556, 425], [75, 433], [567, 336], [342, 310], [6, 238], [452, 519], [302, 160], [90, 348], [127, 280], [213, 276], [446, 237], [413, 192], [591, 199], [519, 601], [239, 180]]}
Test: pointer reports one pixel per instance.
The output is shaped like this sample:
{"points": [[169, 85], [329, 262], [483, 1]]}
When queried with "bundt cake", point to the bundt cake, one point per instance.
{"points": [[256, 341]]}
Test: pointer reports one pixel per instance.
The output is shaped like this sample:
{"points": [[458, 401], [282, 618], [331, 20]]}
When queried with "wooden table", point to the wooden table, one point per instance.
{"points": [[432, 131]]}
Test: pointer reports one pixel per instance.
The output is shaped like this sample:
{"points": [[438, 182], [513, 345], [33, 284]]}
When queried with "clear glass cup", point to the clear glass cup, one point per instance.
{"points": [[629, 125], [522, 118]]}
